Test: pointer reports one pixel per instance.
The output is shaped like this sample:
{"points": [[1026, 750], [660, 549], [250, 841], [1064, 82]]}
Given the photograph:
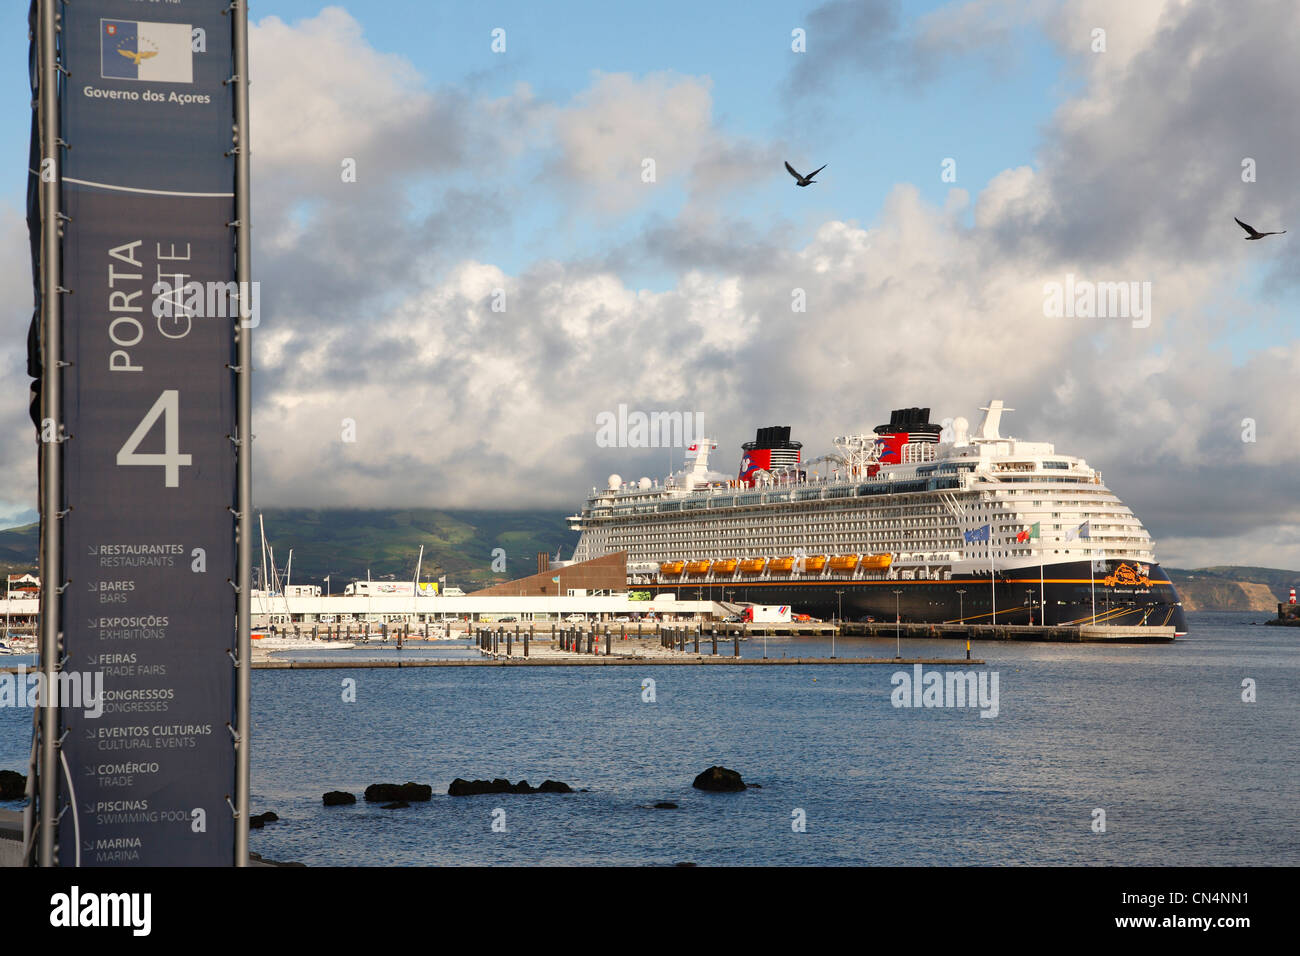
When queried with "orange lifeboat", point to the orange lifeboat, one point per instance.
{"points": [[670, 569], [815, 563], [877, 562], [724, 566], [698, 567], [753, 565], [845, 562], [782, 564]]}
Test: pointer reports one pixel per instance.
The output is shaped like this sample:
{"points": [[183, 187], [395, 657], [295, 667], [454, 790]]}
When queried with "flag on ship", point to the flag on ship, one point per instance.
{"points": [[1083, 531], [1028, 534], [979, 534]]}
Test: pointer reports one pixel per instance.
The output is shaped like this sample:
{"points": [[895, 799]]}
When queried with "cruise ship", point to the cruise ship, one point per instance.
{"points": [[926, 522]]}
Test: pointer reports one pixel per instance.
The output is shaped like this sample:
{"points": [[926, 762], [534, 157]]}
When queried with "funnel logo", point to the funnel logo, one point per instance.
{"points": [[143, 50]]}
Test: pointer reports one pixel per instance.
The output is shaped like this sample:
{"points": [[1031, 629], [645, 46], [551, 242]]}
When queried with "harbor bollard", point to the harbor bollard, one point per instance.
{"points": [[697, 638], [968, 648], [715, 642], [736, 653], [314, 635], [510, 644], [607, 643], [527, 635]]}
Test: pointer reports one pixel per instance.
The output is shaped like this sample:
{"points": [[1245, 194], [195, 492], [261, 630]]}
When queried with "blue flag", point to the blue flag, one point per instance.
{"points": [[979, 534]]}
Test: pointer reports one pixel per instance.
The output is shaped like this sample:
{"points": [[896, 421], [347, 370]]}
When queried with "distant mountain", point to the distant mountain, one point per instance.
{"points": [[19, 547], [1233, 588], [346, 543], [463, 545]]}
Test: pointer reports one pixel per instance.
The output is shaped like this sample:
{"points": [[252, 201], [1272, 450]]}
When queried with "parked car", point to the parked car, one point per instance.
{"points": [[575, 619], [623, 620], [507, 620], [866, 619], [731, 619]]}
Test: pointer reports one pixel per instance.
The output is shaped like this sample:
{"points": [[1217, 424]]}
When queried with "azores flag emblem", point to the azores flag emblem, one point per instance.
{"points": [[144, 50]]}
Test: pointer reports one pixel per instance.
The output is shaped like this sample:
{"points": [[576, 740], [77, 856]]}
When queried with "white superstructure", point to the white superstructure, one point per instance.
{"points": [[920, 509]]}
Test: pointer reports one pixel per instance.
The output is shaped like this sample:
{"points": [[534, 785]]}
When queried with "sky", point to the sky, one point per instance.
{"points": [[976, 153]]}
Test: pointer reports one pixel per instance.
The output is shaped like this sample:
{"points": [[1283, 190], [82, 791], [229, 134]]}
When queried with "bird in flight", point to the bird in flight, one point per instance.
{"points": [[1252, 233], [137, 57], [803, 180]]}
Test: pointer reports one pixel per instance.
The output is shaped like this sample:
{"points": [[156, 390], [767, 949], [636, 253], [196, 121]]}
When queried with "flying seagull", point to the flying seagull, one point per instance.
{"points": [[1252, 233], [803, 180]]}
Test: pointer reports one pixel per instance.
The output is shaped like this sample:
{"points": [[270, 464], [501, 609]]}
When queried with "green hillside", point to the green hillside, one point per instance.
{"points": [[1278, 580], [18, 548], [1231, 588], [346, 543], [460, 544]]}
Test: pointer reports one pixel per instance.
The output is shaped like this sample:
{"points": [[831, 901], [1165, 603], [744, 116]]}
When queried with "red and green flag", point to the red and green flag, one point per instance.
{"points": [[1028, 534]]}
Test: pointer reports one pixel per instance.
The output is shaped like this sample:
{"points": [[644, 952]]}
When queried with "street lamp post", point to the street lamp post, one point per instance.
{"points": [[898, 627], [839, 620], [961, 606]]}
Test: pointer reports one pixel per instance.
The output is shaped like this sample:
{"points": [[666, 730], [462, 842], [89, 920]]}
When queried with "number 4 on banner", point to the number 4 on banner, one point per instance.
{"points": [[168, 407]]}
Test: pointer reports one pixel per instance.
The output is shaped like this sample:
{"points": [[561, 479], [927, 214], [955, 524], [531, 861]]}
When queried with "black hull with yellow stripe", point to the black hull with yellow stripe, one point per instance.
{"points": [[1118, 596]]}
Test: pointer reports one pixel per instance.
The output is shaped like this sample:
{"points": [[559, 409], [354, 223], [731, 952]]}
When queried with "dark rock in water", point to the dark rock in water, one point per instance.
{"points": [[393, 792], [12, 785], [719, 780], [665, 805], [471, 788], [754, 786], [338, 798], [398, 805], [270, 817], [685, 863], [259, 820]]}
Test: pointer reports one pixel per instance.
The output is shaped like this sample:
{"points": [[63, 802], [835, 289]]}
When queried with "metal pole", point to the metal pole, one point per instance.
{"points": [[244, 410], [51, 563], [898, 628]]}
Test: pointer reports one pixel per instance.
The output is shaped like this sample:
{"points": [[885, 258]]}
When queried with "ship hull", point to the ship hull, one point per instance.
{"points": [[1073, 595]]}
